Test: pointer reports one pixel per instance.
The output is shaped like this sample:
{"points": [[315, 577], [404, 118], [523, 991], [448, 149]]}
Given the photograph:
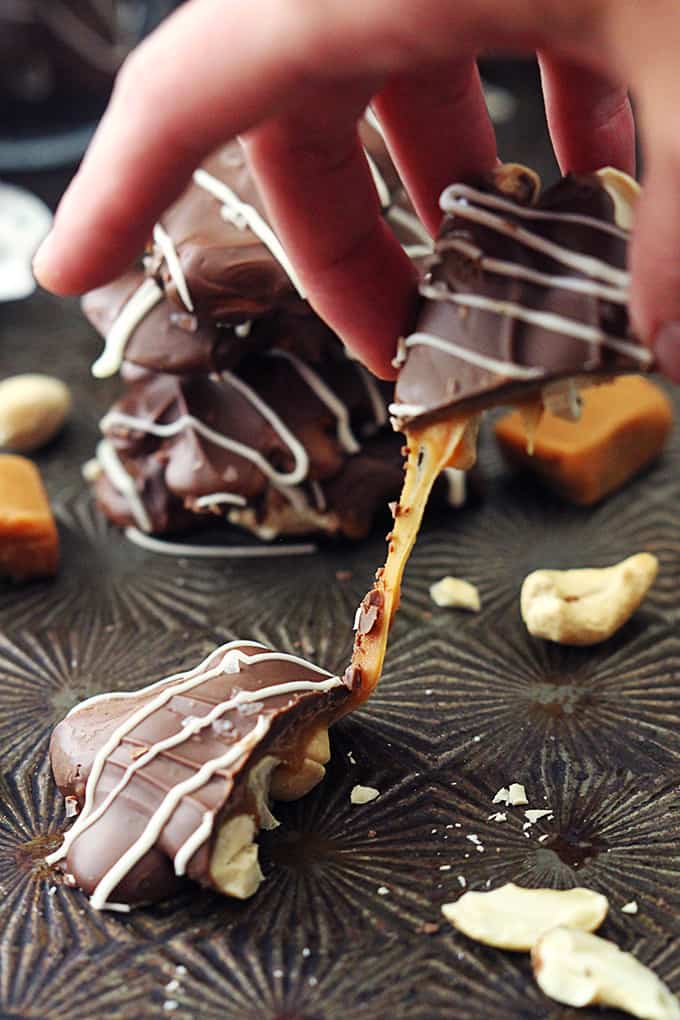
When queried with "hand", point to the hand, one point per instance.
{"points": [[293, 77]]}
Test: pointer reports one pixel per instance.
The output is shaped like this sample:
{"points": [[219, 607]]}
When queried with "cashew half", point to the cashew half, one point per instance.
{"points": [[623, 191], [289, 783], [583, 607], [579, 969], [514, 918], [234, 865]]}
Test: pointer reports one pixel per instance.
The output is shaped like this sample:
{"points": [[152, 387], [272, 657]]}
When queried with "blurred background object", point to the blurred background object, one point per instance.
{"points": [[24, 221], [58, 61]]}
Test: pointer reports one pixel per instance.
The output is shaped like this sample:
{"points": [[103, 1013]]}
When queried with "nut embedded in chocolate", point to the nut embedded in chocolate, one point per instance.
{"points": [[174, 779]]}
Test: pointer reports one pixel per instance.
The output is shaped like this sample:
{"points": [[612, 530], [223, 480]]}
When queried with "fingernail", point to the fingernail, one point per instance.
{"points": [[41, 260], [667, 350]]}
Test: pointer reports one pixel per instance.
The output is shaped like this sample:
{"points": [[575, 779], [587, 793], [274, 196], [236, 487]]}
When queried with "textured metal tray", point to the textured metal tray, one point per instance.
{"points": [[467, 704], [347, 923]]}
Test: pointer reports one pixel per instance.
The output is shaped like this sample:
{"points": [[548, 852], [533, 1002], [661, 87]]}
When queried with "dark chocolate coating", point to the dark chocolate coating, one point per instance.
{"points": [[441, 383], [176, 343], [77, 739], [231, 275], [166, 340]]}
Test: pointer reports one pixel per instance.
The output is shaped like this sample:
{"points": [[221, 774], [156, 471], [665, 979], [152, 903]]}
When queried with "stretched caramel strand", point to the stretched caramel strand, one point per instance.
{"points": [[429, 450]]}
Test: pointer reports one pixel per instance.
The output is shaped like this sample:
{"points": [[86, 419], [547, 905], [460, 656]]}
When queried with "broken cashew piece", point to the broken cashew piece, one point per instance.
{"points": [[234, 864], [583, 607], [453, 593], [579, 969], [514, 918], [624, 193]]}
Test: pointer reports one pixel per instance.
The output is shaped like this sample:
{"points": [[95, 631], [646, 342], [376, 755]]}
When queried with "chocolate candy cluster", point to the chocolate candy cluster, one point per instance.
{"points": [[241, 405]]}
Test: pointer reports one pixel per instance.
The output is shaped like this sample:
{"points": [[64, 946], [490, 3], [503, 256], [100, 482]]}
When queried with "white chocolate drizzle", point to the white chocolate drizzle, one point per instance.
{"points": [[369, 114], [374, 395], [118, 419], [193, 843], [458, 198], [384, 196], [135, 310], [213, 498], [245, 216], [319, 497], [410, 221], [227, 656], [164, 241], [456, 195], [550, 321], [417, 251], [326, 395], [500, 267], [598, 279], [123, 482], [224, 552], [495, 365], [164, 811]]}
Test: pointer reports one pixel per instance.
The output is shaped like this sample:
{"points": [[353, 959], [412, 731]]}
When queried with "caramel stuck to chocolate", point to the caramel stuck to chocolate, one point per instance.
{"points": [[623, 427], [29, 543]]}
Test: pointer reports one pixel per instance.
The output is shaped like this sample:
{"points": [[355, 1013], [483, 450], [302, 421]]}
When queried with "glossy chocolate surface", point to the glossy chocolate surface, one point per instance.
{"points": [[491, 262], [166, 750]]}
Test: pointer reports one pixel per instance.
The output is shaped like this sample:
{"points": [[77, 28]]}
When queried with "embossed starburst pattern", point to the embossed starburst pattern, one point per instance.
{"points": [[523, 528], [607, 831], [293, 977], [505, 696], [348, 920], [477, 983], [43, 981], [43, 674]]}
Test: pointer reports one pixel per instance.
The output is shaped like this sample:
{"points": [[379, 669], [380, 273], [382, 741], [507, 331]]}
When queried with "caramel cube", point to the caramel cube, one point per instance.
{"points": [[623, 426], [29, 542]]}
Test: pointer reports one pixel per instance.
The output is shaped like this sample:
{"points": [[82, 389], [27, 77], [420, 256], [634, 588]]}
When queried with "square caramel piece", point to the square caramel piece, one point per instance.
{"points": [[623, 426], [29, 542]]}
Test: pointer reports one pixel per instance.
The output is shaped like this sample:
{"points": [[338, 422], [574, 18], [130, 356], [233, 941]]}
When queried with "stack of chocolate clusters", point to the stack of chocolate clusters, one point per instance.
{"points": [[241, 405]]}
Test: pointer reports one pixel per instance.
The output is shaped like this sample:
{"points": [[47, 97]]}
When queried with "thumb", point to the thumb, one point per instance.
{"points": [[652, 48]]}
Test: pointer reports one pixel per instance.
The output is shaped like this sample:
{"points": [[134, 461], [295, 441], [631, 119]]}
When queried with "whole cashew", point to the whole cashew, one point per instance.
{"points": [[583, 607]]}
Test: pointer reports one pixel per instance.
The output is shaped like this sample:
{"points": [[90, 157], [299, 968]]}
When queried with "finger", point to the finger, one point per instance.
{"points": [[312, 172], [589, 116], [163, 118], [208, 73], [438, 130], [655, 255], [647, 51]]}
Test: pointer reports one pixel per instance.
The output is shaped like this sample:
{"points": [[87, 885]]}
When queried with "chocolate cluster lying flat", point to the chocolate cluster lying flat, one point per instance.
{"points": [[175, 779], [242, 404], [525, 290]]}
